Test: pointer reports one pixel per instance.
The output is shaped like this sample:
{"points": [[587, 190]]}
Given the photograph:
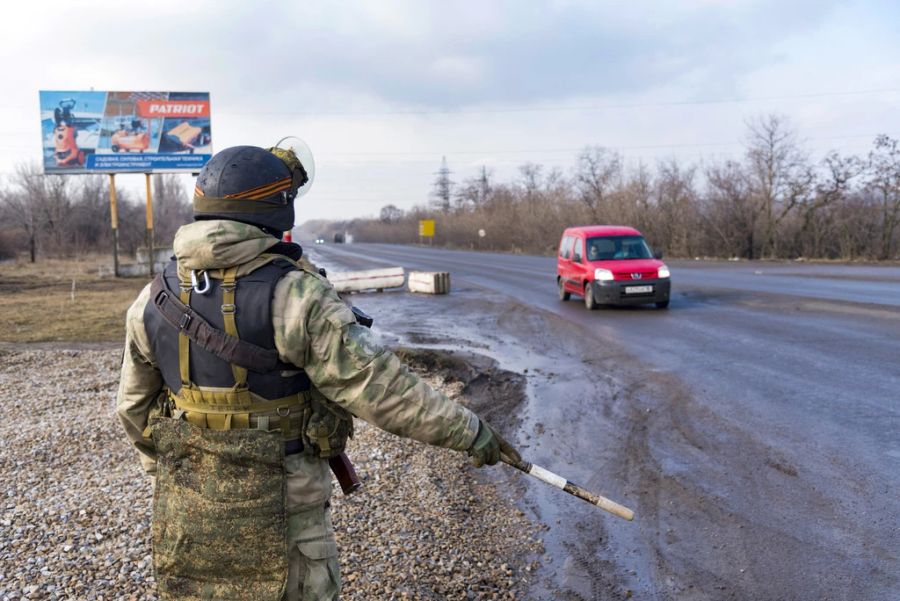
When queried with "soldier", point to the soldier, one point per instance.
{"points": [[241, 374]]}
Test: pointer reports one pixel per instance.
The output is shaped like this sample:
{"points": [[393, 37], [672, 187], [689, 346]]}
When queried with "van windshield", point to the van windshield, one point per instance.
{"points": [[608, 248]]}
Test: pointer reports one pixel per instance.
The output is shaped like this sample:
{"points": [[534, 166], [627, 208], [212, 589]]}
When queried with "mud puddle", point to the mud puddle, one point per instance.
{"points": [[543, 396], [495, 394]]}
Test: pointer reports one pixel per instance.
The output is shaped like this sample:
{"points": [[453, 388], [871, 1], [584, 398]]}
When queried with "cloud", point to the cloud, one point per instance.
{"points": [[412, 53], [454, 54]]}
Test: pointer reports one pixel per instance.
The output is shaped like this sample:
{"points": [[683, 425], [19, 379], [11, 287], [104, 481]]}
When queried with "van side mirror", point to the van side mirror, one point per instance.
{"points": [[658, 255]]}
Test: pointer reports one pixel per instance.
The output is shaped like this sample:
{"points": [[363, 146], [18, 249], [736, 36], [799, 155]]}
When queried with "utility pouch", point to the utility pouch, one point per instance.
{"points": [[161, 408], [219, 527], [327, 428]]}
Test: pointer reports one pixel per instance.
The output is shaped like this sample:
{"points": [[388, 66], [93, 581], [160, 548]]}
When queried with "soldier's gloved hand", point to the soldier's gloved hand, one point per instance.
{"points": [[488, 445]]}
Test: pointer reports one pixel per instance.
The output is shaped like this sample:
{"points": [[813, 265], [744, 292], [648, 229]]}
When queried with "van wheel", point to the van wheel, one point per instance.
{"points": [[589, 301], [662, 304], [563, 295]]}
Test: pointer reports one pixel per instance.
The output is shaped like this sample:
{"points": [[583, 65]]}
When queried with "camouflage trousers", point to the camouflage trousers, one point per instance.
{"points": [[313, 570]]}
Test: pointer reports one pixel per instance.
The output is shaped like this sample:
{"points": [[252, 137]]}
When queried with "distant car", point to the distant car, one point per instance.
{"points": [[320, 240], [611, 265]]}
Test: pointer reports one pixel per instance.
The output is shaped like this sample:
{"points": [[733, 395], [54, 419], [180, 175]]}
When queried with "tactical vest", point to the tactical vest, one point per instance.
{"points": [[206, 390]]}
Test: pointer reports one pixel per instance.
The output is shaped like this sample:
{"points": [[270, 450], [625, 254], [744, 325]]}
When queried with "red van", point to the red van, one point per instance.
{"points": [[610, 265]]}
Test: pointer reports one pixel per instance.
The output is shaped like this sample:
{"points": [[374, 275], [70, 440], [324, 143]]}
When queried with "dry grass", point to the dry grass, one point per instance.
{"points": [[36, 303]]}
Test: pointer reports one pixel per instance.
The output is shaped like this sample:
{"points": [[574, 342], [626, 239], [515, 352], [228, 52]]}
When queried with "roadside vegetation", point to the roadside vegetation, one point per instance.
{"points": [[63, 300], [776, 202], [63, 216]]}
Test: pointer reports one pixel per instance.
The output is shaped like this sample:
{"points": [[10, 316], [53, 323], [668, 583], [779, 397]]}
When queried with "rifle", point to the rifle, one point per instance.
{"points": [[340, 465], [346, 476]]}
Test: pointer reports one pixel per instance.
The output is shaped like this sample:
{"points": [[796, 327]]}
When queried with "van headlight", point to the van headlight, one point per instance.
{"points": [[663, 272], [603, 275]]}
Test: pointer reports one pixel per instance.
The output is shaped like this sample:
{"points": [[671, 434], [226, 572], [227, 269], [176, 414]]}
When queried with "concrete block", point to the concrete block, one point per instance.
{"points": [[429, 282], [160, 255], [133, 271], [140, 269], [370, 279]]}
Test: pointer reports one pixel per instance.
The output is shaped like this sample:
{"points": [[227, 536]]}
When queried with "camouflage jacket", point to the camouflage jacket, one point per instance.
{"points": [[314, 330]]}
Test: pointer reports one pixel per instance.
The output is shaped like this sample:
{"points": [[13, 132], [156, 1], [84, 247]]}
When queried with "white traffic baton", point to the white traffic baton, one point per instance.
{"points": [[552, 479]]}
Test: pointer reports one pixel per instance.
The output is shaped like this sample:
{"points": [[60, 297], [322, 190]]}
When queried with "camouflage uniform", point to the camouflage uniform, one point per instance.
{"points": [[317, 332]]}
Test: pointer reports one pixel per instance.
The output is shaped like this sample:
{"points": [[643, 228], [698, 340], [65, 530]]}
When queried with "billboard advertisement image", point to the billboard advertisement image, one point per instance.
{"points": [[125, 132]]}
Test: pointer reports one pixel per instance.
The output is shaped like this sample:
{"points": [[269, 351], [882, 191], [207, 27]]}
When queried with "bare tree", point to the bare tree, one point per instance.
{"points": [[390, 214], [831, 189], [676, 211], [24, 204], [780, 174], [171, 206], [883, 178], [597, 173], [23, 214], [731, 213], [475, 191], [89, 219]]}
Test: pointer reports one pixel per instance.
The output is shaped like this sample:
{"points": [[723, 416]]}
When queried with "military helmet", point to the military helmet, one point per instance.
{"points": [[251, 185]]}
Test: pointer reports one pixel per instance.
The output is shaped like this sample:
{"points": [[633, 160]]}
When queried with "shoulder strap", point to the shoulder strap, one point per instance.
{"points": [[190, 323], [229, 282]]}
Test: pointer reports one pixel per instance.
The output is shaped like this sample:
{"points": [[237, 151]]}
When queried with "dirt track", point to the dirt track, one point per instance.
{"points": [[753, 433]]}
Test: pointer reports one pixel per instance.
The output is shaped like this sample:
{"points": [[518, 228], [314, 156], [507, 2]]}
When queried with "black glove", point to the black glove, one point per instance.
{"points": [[489, 445]]}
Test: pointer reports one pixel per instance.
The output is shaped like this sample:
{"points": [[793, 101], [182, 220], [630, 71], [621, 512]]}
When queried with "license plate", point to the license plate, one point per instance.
{"points": [[638, 289]]}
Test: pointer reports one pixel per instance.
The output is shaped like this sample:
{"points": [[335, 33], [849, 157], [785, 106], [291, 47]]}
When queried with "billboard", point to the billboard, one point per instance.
{"points": [[125, 132]]}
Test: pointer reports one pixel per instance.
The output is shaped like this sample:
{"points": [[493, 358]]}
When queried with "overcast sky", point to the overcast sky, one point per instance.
{"points": [[381, 90]]}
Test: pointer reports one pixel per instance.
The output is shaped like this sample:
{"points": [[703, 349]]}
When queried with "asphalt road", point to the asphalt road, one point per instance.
{"points": [[755, 424]]}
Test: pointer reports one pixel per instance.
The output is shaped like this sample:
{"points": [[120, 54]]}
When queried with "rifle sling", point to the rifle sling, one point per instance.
{"points": [[226, 347]]}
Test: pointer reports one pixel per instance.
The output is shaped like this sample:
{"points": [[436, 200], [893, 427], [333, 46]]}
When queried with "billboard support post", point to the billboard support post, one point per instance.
{"points": [[149, 221], [114, 218]]}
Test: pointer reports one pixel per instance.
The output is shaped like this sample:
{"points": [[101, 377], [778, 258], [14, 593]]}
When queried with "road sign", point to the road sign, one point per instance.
{"points": [[426, 228]]}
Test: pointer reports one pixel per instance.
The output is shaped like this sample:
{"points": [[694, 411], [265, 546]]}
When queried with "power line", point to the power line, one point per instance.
{"points": [[576, 149]]}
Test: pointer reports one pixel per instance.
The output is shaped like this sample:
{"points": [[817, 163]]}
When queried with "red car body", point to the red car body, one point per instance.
{"points": [[610, 265]]}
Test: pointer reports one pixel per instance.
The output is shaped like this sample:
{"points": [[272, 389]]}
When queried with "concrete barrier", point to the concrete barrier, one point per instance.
{"points": [[139, 269], [141, 266], [429, 282], [371, 279], [160, 255]]}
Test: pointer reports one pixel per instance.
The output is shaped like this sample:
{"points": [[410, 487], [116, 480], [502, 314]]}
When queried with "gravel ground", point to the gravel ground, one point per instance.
{"points": [[74, 518]]}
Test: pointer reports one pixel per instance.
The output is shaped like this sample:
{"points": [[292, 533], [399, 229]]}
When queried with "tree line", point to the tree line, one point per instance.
{"points": [[776, 201], [64, 215], [773, 202]]}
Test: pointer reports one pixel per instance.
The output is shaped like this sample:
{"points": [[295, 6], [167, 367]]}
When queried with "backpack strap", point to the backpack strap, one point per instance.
{"points": [[229, 283], [175, 309], [184, 344]]}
